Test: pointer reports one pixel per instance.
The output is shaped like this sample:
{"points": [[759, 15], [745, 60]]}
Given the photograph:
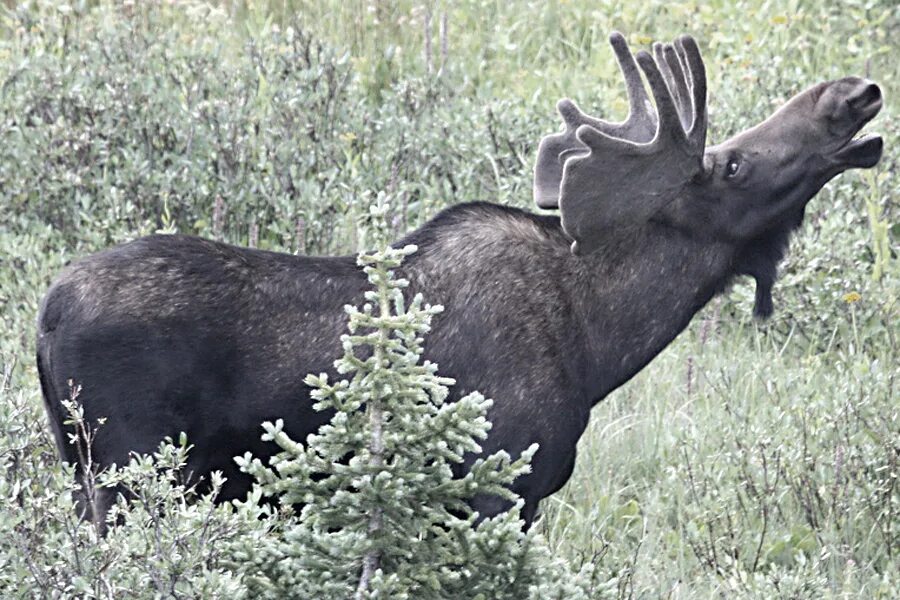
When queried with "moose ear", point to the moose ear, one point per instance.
{"points": [[556, 149]]}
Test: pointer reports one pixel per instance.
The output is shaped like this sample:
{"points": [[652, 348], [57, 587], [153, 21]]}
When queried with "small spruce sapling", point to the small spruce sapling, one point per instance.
{"points": [[382, 515]]}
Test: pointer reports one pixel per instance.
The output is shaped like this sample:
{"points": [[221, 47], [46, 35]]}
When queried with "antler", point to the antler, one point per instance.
{"points": [[613, 173], [638, 126]]}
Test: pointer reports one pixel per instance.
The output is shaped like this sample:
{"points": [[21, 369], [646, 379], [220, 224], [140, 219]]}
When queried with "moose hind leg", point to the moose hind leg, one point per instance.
{"points": [[92, 502]]}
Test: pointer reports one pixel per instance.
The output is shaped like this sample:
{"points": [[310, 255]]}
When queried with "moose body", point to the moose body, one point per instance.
{"points": [[170, 333]]}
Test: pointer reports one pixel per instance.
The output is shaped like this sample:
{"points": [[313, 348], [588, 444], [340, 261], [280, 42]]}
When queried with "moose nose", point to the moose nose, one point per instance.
{"points": [[866, 95]]}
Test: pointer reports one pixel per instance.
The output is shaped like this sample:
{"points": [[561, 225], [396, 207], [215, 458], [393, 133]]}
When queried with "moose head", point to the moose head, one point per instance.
{"points": [[751, 191]]}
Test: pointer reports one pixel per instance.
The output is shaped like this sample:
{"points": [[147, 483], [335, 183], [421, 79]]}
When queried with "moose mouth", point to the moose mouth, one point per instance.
{"points": [[863, 151]]}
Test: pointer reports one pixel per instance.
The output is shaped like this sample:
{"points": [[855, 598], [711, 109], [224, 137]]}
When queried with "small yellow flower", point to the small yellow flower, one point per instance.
{"points": [[779, 20], [852, 297], [348, 137]]}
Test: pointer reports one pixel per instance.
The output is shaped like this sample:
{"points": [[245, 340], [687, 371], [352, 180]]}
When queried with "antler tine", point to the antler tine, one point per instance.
{"points": [[657, 51], [680, 85], [669, 127], [571, 114], [596, 140], [682, 58], [688, 47], [638, 101]]}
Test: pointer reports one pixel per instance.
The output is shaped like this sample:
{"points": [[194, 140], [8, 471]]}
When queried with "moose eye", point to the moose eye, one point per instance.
{"points": [[732, 167]]}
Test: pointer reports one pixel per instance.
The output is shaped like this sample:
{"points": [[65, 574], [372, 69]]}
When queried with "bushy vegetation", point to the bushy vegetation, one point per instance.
{"points": [[749, 460]]}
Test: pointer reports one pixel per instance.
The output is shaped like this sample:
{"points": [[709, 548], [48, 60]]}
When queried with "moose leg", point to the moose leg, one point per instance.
{"points": [[489, 506], [529, 511], [92, 502]]}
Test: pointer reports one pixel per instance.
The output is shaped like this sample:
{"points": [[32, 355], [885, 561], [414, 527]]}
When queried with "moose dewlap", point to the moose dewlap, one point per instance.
{"points": [[544, 314]]}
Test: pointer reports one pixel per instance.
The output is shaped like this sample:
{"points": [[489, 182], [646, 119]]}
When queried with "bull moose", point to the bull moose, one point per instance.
{"points": [[545, 314]]}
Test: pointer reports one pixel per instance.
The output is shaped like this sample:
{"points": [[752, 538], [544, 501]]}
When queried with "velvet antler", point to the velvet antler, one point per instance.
{"points": [[554, 149], [603, 174]]}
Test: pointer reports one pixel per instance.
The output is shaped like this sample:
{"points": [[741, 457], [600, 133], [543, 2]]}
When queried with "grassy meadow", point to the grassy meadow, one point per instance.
{"points": [[749, 460]]}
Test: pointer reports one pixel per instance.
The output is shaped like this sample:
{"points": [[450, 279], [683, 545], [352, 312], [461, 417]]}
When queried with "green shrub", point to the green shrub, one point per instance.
{"points": [[170, 542]]}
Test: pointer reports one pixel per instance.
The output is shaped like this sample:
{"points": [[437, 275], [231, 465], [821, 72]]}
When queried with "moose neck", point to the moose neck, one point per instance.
{"points": [[639, 292], [600, 317]]}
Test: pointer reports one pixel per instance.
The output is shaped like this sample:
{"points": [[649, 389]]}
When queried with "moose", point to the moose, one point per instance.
{"points": [[544, 313]]}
